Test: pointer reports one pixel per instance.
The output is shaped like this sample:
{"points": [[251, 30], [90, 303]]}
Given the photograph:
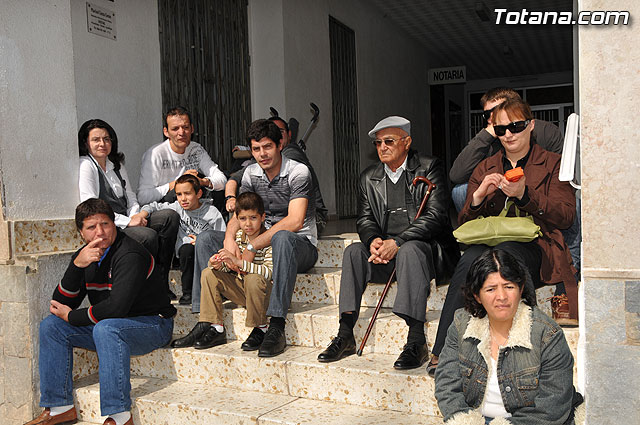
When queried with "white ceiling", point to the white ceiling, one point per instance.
{"points": [[453, 34]]}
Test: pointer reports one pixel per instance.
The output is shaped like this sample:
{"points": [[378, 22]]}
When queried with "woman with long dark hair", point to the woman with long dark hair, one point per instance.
{"points": [[102, 175]]}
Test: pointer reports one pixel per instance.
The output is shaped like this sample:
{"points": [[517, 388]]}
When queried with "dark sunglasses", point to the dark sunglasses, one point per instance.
{"points": [[487, 114], [388, 141], [514, 127]]}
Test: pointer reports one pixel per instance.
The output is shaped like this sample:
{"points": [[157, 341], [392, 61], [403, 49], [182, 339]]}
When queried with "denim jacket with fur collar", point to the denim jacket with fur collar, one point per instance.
{"points": [[535, 371]]}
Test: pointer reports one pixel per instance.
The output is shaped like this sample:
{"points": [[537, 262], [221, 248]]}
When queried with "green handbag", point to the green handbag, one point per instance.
{"points": [[497, 229]]}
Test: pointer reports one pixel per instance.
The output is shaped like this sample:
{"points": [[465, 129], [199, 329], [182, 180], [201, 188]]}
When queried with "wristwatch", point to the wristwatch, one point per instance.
{"points": [[226, 198], [251, 248]]}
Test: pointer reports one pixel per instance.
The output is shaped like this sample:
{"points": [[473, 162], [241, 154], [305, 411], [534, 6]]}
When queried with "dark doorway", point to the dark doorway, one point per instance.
{"points": [[204, 54], [344, 94]]}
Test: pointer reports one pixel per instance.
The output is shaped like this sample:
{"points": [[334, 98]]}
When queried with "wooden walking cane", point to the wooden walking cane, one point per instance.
{"points": [[430, 187]]}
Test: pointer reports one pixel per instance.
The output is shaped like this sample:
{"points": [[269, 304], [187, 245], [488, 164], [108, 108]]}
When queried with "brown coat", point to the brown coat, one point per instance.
{"points": [[552, 205]]}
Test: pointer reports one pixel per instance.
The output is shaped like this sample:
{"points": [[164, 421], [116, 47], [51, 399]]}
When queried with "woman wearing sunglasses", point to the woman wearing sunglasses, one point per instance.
{"points": [[538, 193]]}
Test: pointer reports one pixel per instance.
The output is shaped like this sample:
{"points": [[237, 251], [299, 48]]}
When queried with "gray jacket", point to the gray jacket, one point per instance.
{"points": [[484, 145], [535, 371]]}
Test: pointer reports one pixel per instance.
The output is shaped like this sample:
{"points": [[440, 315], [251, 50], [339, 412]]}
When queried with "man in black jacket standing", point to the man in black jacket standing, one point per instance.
{"points": [[129, 314], [390, 237]]}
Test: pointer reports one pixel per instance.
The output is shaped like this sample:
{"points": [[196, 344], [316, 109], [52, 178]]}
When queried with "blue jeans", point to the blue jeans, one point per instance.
{"points": [[207, 243], [292, 254], [115, 340], [459, 195]]}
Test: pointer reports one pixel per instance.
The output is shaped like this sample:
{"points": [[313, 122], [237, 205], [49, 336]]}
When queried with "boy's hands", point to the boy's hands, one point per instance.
{"points": [[224, 256]]}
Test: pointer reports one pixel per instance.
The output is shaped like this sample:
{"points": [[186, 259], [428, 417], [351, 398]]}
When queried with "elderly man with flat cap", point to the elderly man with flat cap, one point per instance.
{"points": [[420, 249]]}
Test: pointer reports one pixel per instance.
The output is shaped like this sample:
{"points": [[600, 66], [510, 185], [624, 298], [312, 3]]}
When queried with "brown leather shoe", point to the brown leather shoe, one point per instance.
{"points": [[560, 311], [110, 421], [45, 418]]}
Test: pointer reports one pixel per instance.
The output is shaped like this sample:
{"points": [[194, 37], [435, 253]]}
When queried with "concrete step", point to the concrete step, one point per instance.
{"points": [[321, 285], [314, 325], [158, 401], [367, 381]]}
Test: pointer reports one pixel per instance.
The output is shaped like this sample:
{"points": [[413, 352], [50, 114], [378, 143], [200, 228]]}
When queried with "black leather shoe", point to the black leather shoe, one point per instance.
{"points": [[340, 347], [254, 340], [211, 338], [198, 330], [273, 344], [413, 355], [185, 299]]}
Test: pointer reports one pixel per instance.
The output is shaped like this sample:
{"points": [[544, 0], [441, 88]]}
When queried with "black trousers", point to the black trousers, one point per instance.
{"points": [[414, 270], [186, 256], [528, 252]]}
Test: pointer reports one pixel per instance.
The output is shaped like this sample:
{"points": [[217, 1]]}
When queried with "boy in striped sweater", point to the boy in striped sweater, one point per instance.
{"points": [[244, 283]]}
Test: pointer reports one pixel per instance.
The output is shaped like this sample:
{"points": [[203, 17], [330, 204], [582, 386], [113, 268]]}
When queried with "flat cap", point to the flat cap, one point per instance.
{"points": [[393, 121]]}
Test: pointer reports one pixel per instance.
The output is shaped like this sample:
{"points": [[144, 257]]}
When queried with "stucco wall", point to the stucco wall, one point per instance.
{"points": [[37, 110], [609, 96], [54, 75], [391, 74], [119, 80]]}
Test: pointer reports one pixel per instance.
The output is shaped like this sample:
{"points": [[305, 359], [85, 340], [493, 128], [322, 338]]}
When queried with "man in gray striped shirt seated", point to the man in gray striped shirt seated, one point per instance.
{"points": [[243, 282], [286, 189]]}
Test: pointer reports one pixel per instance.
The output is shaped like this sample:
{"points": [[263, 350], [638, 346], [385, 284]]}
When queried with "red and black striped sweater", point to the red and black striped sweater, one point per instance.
{"points": [[125, 284]]}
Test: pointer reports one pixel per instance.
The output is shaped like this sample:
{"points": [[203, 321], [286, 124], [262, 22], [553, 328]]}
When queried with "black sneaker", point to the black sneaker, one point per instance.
{"points": [[273, 344], [211, 338], [254, 340], [198, 330]]}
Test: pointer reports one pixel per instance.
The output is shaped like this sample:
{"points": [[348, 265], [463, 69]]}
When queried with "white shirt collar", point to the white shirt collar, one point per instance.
{"points": [[394, 176]]}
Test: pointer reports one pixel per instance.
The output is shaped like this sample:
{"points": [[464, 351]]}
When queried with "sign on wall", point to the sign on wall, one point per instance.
{"points": [[451, 75], [101, 21]]}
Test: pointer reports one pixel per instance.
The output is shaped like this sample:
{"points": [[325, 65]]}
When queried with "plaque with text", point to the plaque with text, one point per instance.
{"points": [[101, 21]]}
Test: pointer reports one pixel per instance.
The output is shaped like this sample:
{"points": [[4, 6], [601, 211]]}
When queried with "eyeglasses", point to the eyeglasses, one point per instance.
{"points": [[514, 127], [487, 114], [104, 139], [389, 141]]}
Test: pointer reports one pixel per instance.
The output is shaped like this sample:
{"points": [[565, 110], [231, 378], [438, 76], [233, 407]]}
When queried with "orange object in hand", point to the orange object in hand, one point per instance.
{"points": [[514, 175]]}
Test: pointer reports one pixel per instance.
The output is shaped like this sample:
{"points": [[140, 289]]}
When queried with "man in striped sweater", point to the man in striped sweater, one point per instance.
{"points": [[243, 282], [129, 314]]}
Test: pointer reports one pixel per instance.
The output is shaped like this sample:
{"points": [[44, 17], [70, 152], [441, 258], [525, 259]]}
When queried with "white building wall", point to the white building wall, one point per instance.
{"points": [[38, 158], [391, 72], [119, 80], [54, 75]]}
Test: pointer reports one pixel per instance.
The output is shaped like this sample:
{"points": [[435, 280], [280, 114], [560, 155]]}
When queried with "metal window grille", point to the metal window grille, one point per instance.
{"points": [[344, 95], [205, 67]]}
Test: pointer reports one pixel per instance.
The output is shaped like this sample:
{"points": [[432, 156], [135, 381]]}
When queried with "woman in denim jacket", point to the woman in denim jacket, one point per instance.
{"points": [[504, 361]]}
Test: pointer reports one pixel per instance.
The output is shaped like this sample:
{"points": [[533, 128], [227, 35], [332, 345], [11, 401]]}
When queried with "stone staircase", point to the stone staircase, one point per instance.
{"points": [[224, 385]]}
